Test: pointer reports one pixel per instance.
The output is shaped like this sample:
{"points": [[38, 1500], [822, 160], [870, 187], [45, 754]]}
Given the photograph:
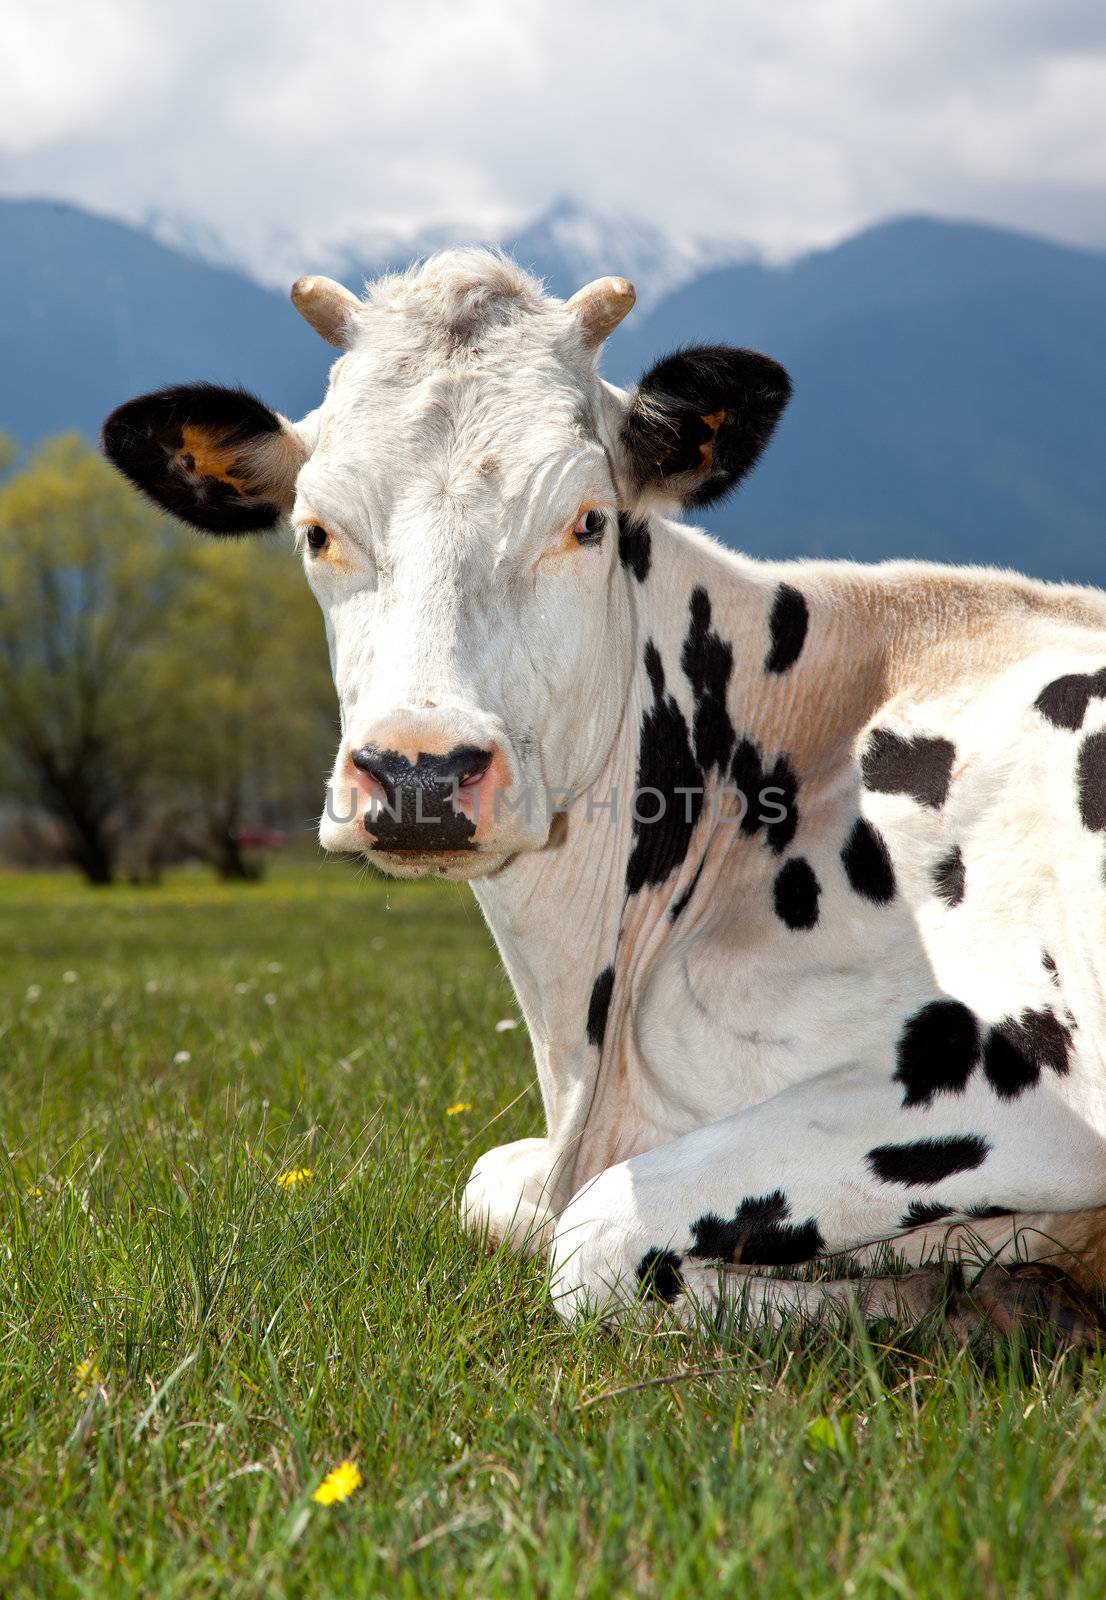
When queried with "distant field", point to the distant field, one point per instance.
{"points": [[165, 1056]]}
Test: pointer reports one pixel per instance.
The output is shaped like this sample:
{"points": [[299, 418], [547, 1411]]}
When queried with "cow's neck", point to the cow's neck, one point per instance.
{"points": [[564, 917]]}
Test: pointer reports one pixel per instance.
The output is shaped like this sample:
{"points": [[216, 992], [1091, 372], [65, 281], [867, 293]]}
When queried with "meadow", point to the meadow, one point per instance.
{"points": [[233, 1124]]}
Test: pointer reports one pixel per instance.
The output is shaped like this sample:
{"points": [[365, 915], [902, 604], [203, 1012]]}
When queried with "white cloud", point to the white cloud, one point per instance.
{"points": [[56, 84], [783, 124]]}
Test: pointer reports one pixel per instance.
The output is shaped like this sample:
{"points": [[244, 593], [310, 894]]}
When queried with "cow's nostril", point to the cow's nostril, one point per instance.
{"points": [[376, 764], [465, 765], [462, 766]]}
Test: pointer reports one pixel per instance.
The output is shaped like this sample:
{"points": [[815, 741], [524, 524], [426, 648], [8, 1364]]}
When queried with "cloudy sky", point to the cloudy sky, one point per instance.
{"points": [[781, 122]]}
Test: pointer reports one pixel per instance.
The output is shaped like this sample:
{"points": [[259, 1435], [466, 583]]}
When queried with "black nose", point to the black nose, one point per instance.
{"points": [[417, 812]]}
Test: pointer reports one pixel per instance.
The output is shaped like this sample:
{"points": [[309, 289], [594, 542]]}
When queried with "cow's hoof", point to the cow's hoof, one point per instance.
{"points": [[590, 1270], [1034, 1298], [505, 1199], [605, 1262], [584, 1282]]}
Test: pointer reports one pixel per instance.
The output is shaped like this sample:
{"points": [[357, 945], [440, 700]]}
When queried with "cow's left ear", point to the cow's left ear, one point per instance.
{"points": [[217, 458], [698, 421]]}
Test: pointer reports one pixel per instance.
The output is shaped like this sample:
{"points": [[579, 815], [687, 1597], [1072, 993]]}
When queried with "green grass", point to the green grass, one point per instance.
{"points": [[247, 1338]]}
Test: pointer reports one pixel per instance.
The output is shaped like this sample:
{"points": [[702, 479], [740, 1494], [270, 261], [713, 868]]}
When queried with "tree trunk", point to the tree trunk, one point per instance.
{"points": [[83, 808], [230, 863], [90, 851]]}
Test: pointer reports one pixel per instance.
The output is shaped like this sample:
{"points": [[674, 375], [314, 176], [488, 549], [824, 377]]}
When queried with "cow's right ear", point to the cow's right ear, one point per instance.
{"points": [[217, 458]]}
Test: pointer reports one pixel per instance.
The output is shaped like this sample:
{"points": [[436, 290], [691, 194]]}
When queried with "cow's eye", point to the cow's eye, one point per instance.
{"points": [[317, 537], [589, 529]]}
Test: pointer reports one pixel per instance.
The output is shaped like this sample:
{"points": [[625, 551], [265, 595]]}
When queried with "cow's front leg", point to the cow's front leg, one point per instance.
{"points": [[826, 1166], [507, 1196]]}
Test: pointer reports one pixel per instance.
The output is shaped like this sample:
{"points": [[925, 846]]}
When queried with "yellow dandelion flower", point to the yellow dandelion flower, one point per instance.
{"points": [[87, 1374], [457, 1107], [339, 1484], [295, 1176]]}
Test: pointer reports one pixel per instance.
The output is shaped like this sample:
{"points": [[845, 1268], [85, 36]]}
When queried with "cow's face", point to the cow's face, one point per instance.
{"points": [[457, 501]]}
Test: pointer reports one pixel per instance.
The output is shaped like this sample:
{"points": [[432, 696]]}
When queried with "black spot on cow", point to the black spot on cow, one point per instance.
{"points": [[983, 1213], [1010, 1071], [796, 892], [1018, 1049], [679, 905], [1054, 978], [654, 669], [923, 1161], [937, 1052], [779, 804], [635, 545], [867, 863], [919, 766], [658, 1275], [707, 660], [599, 1005], [758, 1234], [1091, 771], [787, 627], [770, 795], [919, 1213], [1064, 701], [669, 790], [747, 775], [948, 877]]}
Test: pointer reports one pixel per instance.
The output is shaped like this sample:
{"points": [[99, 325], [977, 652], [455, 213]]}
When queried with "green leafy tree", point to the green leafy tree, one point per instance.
{"points": [[248, 725], [88, 574]]}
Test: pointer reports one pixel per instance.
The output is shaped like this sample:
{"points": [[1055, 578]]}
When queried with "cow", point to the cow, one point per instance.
{"points": [[797, 868]]}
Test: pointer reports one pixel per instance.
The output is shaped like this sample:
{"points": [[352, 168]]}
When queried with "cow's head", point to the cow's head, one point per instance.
{"points": [[460, 499]]}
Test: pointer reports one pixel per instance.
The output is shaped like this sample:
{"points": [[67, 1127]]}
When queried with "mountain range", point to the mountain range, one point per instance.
{"points": [[950, 386], [567, 244]]}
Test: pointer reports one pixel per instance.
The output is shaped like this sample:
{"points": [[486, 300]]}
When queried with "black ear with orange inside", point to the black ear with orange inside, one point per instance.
{"points": [[698, 421], [217, 458]]}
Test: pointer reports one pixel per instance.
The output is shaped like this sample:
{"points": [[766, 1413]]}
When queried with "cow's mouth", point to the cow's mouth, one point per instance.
{"points": [[457, 865]]}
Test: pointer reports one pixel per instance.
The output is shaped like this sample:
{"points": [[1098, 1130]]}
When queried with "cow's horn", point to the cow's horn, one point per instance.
{"points": [[600, 306], [327, 306]]}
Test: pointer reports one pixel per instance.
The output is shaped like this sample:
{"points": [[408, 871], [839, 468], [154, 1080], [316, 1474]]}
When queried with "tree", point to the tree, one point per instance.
{"points": [[156, 688], [88, 574], [243, 683]]}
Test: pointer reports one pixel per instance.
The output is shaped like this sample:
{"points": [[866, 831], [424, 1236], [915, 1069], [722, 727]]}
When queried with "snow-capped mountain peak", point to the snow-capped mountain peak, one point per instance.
{"points": [[567, 245]]}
